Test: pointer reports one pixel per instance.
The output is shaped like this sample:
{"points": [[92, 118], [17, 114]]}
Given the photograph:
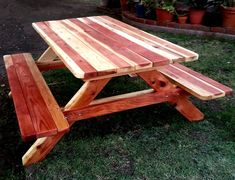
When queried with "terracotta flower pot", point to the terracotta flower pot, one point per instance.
{"points": [[182, 19], [196, 16], [163, 16], [228, 16], [123, 4]]}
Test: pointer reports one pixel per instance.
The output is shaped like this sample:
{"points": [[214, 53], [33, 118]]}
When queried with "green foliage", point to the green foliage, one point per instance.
{"points": [[167, 5], [149, 4], [229, 3], [199, 4]]}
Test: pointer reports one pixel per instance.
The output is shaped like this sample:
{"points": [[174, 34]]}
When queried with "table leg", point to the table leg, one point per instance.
{"points": [[83, 97], [160, 83], [48, 55]]}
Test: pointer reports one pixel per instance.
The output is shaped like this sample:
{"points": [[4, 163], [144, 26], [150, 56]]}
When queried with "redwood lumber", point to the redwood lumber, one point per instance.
{"points": [[43, 146], [38, 113], [50, 65], [120, 103], [195, 83], [48, 55]]}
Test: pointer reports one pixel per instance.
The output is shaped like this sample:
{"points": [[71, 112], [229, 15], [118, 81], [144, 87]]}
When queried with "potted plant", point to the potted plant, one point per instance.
{"points": [[182, 11], [165, 10], [197, 11], [182, 18], [228, 12], [149, 6]]}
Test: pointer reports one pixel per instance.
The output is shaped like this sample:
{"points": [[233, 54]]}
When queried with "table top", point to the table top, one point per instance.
{"points": [[100, 45]]}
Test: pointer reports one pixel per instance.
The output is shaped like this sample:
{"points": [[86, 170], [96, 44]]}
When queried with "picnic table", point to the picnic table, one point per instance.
{"points": [[97, 49]]}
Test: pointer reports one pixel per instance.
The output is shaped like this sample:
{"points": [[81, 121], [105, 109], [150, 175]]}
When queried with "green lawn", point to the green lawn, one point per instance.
{"points": [[153, 142]]}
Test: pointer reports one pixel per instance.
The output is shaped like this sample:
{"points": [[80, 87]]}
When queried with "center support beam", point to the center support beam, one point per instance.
{"points": [[120, 103]]}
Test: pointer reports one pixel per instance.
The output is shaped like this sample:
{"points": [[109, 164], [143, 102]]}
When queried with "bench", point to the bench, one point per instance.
{"points": [[37, 111], [195, 83]]}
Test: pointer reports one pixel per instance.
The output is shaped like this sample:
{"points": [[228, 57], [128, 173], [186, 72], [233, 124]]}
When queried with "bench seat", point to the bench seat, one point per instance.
{"points": [[195, 83], [37, 111]]}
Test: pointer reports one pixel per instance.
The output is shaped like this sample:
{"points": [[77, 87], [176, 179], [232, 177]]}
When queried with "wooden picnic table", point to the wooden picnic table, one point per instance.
{"points": [[96, 49]]}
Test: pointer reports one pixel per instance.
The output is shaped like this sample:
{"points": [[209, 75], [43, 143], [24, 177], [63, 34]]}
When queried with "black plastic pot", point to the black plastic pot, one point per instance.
{"points": [[140, 11]]}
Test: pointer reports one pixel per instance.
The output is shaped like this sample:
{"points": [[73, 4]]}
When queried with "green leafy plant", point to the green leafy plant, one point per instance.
{"points": [[199, 4], [149, 5], [167, 5], [229, 3]]}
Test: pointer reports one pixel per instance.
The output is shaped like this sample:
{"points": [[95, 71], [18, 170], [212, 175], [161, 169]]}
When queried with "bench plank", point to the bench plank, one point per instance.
{"points": [[57, 115], [46, 118], [25, 123], [195, 83]]}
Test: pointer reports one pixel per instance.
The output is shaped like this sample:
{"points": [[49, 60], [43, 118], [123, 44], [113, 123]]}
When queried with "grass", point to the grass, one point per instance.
{"points": [[153, 142]]}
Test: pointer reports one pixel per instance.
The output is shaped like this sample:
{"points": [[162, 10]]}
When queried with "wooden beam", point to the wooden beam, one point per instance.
{"points": [[48, 55], [160, 83], [188, 109], [120, 103], [49, 65], [84, 95]]}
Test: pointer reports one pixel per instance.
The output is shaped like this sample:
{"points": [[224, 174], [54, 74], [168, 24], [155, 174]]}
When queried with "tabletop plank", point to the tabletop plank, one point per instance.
{"points": [[100, 45], [117, 46], [189, 55]]}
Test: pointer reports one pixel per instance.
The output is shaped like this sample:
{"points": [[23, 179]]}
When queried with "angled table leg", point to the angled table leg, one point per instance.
{"points": [[83, 97], [48, 55], [159, 83], [49, 60]]}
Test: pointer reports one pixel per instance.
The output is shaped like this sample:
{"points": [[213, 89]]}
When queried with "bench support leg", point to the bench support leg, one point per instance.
{"points": [[187, 109], [159, 83], [83, 97]]}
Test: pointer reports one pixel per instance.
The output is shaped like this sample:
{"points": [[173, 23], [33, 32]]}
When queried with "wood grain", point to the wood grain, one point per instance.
{"points": [[119, 103], [37, 111], [98, 46], [43, 146], [195, 83], [189, 55], [51, 104], [24, 120], [40, 116], [48, 55]]}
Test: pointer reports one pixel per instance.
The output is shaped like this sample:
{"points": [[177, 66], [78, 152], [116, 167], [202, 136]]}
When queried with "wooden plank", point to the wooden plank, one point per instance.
{"points": [[188, 110], [48, 55], [79, 98], [43, 146], [176, 56], [199, 88], [214, 83], [51, 104], [98, 47], [154, 57], [156, 80], [160, 51], [119, 103], [96, 60], [70, 58], [137, 61], [161, 42], [24, 120], [182, 104], [40, 116], [45, 65]]}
